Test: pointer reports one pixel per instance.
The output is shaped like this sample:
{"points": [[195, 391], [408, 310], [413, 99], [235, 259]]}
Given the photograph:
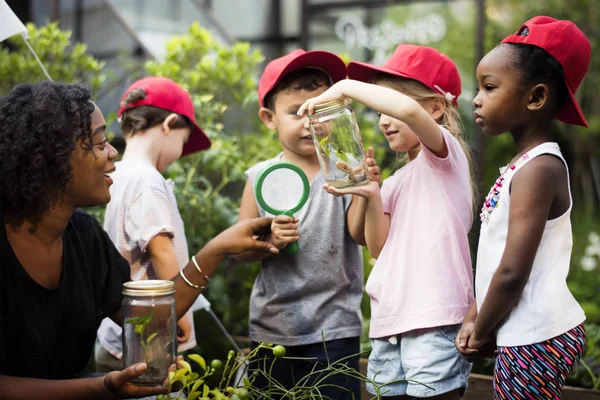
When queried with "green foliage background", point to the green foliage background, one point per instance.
{"points": [[222, 81]]}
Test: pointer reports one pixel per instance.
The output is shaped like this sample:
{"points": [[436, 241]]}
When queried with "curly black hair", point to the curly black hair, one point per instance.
{"points": [[302, 79], [536, 65], [40, 125]]}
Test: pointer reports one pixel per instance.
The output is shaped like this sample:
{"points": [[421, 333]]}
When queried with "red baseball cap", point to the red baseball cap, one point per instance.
{"points": [[421, 63], [298, 59], [164, 93], [564, 41]]}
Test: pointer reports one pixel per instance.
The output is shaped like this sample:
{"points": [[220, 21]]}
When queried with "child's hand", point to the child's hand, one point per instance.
{"points": [[481, 344], [462, 339], [366, 190], [372, 167], [333, 93], [184, 329], [284, 230]]}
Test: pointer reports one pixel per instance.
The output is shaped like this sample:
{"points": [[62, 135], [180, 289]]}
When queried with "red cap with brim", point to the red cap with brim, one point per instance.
{"points": [[164, 93], [564, 41], [421, 63], [328, 62]]}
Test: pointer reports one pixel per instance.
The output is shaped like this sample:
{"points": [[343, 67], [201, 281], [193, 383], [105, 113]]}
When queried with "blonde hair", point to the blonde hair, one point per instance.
{"points": [[450, 118]]}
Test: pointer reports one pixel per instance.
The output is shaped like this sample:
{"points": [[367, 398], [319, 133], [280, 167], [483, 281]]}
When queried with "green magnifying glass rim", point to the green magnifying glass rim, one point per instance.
{"points": [[263, 175]]}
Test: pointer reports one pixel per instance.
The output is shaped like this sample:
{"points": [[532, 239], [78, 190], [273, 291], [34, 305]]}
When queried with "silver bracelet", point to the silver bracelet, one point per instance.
{"points": [[206, 278], [190, 284]]}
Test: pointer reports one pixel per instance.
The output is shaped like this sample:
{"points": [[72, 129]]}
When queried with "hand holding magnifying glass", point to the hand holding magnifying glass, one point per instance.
{"points": [[282, 189]]}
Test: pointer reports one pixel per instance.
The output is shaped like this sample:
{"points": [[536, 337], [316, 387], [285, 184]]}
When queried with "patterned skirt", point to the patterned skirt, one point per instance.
{"points": [[537, 371]]}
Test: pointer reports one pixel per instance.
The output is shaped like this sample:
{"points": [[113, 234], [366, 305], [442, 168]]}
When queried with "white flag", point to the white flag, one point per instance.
{"points": [[9, 23]]}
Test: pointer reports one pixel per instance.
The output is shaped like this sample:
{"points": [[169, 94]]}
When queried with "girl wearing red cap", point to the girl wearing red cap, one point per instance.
{"points": [[525, 243], [416, 225]]}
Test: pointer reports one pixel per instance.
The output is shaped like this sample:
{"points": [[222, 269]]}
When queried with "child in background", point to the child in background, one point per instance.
{"points": [[416, 225], [143, 221], [298, 300], [526, 241]]}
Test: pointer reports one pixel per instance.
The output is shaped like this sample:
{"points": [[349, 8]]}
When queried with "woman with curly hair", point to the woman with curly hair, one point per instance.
{"points": [[60, 274]]}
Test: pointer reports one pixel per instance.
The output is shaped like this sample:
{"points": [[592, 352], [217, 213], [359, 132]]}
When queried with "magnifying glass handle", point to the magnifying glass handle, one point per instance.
{"points": [[292, 248]]}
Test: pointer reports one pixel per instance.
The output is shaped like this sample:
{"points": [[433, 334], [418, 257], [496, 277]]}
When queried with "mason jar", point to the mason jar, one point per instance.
{"points": [[149, 328], [339, 144]]}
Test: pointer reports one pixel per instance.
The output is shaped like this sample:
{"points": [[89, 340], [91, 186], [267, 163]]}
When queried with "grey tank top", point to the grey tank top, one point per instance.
{"points": [[297, 299]]}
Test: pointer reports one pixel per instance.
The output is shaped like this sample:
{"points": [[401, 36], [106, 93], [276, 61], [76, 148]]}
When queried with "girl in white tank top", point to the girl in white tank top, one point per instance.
{"points": [[523, 305]]}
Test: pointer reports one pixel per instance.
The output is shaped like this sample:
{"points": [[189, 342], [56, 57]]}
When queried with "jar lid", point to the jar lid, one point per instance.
{"points": [[152, 287], [330, 105]]}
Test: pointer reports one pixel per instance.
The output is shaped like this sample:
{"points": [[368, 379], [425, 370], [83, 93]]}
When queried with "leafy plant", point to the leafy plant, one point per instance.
{"points": [[234, 385], [140, 324], [65, 61]]}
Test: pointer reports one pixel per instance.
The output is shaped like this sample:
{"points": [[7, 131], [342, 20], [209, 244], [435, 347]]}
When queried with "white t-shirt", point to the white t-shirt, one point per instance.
{"points": [[142, 206], [546, 308]]}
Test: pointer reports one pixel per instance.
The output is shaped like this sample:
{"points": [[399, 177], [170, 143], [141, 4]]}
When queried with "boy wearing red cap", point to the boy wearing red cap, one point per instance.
{"points": [[143, 221], [526, 241], [300, 300], [416, 224]]}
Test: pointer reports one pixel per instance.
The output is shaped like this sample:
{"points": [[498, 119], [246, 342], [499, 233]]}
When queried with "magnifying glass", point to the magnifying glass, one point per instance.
{"points": [[282, 188]]}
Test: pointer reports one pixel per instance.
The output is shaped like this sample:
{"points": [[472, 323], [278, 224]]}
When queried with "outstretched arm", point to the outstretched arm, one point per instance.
{"points": [[238, 239], [389, 102]]}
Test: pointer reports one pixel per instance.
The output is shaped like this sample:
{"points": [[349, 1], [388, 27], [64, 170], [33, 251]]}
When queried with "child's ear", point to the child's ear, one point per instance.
{"points": [[168, 122], [267, 117], [538, 97], [436, 107]]}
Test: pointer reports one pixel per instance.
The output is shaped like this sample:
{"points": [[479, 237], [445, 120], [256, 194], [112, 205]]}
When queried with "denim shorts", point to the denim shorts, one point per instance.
{"points": [[418, 358]]}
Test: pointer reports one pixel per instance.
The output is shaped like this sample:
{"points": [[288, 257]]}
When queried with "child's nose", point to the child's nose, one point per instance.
{"points": [[476, 101], [384, 120]]}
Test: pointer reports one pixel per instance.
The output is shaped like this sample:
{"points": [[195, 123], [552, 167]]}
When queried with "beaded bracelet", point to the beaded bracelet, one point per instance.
{"points": [[190, 284], [206, 278]]}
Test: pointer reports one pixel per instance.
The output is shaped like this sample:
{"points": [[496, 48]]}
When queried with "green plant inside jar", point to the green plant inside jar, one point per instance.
{"points": [[356, 173], [146, 339]]}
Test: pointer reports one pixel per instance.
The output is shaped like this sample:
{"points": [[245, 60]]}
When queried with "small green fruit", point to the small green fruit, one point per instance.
{"points": [[216, 364], [278, 351]]}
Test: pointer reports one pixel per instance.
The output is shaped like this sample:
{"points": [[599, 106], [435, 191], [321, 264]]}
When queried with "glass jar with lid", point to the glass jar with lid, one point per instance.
{"points": [[338, 143], [149, 328]]}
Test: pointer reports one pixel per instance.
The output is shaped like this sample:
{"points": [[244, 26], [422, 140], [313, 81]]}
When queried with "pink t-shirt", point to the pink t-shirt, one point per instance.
{"points": [[423, 277]]}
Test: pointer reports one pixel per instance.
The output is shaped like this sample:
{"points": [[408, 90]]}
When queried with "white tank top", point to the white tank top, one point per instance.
{"points": [[546, 308]]}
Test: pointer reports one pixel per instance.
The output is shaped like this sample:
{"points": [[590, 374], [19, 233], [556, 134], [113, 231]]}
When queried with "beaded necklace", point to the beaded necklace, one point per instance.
{"points": [[491, 200]]}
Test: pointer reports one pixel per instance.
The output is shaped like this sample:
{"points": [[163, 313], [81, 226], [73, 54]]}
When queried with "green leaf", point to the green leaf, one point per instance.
{"points": [[197, 384], [247, 383], [145, 320], [151, 337], [179, 375], [205, 390], [193, 395], [199, 360], [139, 329], [324, 146], [186, 366], [342, 155]]}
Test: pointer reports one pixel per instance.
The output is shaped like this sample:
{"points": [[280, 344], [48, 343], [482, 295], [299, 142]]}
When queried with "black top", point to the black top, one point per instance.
{"points": [[50, 334]]}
